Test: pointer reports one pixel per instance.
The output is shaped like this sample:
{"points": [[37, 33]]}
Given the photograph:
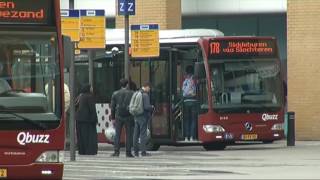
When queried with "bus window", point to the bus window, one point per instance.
{"points": [[159, 96], [244, 84], [202, 88], [30, 65]]}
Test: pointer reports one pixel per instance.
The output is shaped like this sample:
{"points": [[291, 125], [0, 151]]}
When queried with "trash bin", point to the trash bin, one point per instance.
{"points": [[291, 129]]}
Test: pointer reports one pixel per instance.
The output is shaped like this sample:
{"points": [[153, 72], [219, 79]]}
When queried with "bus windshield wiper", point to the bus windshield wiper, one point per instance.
{"points": [[34, 123]]}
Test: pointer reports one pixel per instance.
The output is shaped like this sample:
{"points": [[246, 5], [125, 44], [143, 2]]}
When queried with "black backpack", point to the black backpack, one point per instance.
{"points": [[123, 106]]}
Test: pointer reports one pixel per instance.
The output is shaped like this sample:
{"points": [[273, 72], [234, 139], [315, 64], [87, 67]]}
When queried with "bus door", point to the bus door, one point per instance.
{"points": [[175, 98], [160, 78], [165, 78], [184, 57]]}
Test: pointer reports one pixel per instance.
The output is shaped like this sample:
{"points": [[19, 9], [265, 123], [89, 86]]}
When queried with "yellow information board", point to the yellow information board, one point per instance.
{"points": [[92, 21], [145, 40], [91, 42], [70, 24], [92, 33], [74, 34]]}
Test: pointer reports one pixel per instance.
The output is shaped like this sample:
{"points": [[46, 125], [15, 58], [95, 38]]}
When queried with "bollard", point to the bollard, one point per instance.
{"points": [[291, 129]]}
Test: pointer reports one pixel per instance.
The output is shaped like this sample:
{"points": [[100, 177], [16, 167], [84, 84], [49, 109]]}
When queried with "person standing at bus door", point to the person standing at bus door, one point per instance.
{"points": [[141, 122], [189, 105], [86, 118], [121, 117], [66, 94], [4, 85]]}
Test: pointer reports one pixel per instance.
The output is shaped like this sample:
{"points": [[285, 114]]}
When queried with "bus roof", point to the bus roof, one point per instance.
{"points": [[116, 36]]}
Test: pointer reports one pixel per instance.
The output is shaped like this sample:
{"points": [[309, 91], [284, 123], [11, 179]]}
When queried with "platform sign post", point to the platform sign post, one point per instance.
{"points": [[126, 8]]}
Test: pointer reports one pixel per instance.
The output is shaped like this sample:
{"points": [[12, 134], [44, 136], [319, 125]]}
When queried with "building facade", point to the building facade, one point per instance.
{"points": [[304, 66]]}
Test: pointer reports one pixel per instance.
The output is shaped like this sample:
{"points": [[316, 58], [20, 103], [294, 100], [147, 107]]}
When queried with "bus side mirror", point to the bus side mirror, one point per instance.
{"points": [[199, 70], [68, 51]]}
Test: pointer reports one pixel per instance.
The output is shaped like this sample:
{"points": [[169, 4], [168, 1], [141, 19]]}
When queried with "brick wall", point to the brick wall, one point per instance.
{"points": [[166, 13], [304, 66]]}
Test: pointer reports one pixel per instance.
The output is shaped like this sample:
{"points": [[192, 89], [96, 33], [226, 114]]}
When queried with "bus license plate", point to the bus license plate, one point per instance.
{"points": [[3, 173], [249, 136]]}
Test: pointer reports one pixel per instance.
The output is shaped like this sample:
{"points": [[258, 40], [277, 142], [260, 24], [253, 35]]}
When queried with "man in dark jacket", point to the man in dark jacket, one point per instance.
{"points": [[120, 101], [87, 120], [141, 123]]}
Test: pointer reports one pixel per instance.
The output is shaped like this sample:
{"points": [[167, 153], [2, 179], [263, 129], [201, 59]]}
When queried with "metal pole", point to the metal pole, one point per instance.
{"points": [[291, 129], [126, 46], [71, 4], [72, 125], [90, 67]]}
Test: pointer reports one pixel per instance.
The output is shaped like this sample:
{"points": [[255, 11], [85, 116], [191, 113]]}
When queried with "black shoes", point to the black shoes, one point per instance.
{"points": [[145, 154], [115, 154], [136, 154], [129, 155]]}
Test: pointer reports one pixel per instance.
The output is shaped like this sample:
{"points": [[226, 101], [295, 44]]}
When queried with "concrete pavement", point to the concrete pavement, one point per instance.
{"points": [[259, 161]]}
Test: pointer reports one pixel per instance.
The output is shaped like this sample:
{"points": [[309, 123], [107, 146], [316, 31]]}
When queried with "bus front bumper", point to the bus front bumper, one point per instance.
{"points": [[32, 171], [242, 136]]}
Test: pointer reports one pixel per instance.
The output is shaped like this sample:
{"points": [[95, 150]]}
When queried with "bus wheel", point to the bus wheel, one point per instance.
{"points": [[268, 142], [214, 146]]}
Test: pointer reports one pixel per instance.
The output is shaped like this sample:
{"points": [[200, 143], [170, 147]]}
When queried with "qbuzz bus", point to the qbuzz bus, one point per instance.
{"points": [[239, 87], [32, 127]]}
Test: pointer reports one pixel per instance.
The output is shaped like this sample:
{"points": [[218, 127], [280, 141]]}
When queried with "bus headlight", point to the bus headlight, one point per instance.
{"points": [[277, 127], [50, 156], [209, 128]]}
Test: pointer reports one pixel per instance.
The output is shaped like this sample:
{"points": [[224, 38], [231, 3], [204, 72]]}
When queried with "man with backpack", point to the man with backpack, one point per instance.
{"points": [[120, 113], [141, 110], [189, 105]]}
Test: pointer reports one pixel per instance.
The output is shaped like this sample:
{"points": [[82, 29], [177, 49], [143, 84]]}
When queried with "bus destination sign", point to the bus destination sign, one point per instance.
{"points": [[242, 48], [25, 11]]}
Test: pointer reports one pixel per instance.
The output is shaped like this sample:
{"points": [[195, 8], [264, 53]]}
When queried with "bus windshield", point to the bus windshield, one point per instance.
{"points": [[246, 86], [29, 80]]}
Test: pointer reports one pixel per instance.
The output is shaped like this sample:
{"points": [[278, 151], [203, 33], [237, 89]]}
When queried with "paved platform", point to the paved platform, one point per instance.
{"points": [[258, 161]]}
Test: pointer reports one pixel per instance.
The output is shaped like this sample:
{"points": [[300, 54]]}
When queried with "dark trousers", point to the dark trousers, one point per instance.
{"points": [[128, 123], [87, 138], [140, 131], [189, 119]]}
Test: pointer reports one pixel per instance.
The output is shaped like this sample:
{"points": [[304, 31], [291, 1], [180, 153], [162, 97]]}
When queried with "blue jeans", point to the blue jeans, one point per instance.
{"points": [[140, 131], [128, 123], [190, 119]]}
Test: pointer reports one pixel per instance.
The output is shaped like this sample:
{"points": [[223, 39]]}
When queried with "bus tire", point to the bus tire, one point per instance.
{"points": [[268, 142], [214, 146]]}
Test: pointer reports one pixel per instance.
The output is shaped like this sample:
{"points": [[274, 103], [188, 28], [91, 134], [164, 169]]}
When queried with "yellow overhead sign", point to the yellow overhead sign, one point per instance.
{"points": [[91, 42], [70, 24], [93, 21], [92, 24], [74, 34], [92, 32], [145, 40]]}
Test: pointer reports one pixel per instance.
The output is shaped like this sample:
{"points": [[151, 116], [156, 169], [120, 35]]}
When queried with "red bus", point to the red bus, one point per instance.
{"points": [[32, 128], [239, 87]]}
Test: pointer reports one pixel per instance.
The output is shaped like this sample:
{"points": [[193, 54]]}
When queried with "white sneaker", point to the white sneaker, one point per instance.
{"points": [[185, 139], [191, 139]]}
